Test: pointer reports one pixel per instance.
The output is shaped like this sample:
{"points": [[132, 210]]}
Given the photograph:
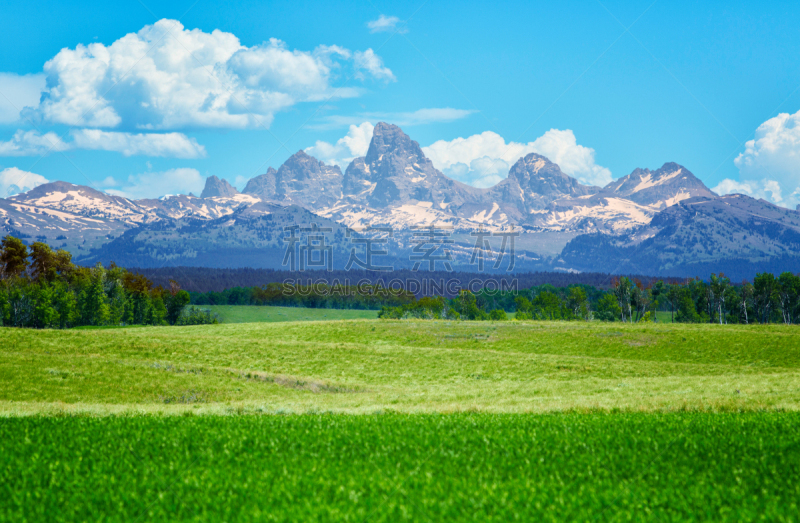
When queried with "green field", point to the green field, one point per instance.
{"points": [[258, 314], [364, 366], [465, 467], [453, 421]]}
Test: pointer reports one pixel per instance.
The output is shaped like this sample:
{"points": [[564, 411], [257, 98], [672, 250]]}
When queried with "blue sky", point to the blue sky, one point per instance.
{"points": [[602, 88]]}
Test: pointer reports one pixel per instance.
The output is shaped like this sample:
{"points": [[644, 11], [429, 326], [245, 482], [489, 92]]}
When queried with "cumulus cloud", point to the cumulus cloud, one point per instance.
{"points": [[385, 24], [481, 160], [14, 181], [769, 167], [352, 145], [33, 143], [403, 119], [368, 63], [157, 184], [108, 181], [167, 77], [18, 92], [484, 159], [175, 145], [765, 189]]}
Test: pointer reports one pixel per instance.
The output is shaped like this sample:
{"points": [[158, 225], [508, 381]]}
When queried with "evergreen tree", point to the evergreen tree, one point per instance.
{"points": [[4, 307], [65, 304], [44, 315], [687, 310], [13, 257], [578, 304], [94, 309], [607, 308], [43, 262], [176, 301], [547, 305]]}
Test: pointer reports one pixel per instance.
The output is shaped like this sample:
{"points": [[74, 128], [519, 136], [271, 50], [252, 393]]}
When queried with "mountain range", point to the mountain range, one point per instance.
{"points": [[662, 222]]}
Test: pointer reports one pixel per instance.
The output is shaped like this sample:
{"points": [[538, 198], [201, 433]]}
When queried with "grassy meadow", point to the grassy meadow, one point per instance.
{"points": [[260, 314], [365, 366], [371, 420]]}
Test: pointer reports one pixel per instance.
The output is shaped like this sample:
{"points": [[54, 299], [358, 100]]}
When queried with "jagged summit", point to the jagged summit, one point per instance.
{"points": [[390, 139], [216, 187], [301, 180], [543, 181], [395, 184], [261, 184], [395, 171], [662, 188]]}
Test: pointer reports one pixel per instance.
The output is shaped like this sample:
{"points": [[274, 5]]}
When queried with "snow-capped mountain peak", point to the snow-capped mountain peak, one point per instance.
{"points": [[659, 189]]}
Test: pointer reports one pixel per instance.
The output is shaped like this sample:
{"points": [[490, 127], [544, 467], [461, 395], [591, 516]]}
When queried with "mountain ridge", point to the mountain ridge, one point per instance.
{"points": [[396, 185]]}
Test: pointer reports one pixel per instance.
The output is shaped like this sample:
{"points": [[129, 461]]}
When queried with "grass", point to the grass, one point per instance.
{"points": [[365, 366], [476, 467], [664, 316], [258, 314], [528, 421]]}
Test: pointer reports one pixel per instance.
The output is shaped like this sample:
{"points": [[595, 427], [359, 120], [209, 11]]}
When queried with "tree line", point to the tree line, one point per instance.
{"points": [[204, 279], [42, 288], [314, 296], [768, 299]]}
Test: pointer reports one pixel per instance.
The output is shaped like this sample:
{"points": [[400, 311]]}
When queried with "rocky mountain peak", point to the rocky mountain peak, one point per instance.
{"points": [[301, 166], [662, 188], [261, 185], [81, 200], [390, 139], [542, 180], [301, 180], [216, 187], [57, 187], [395, 171]]}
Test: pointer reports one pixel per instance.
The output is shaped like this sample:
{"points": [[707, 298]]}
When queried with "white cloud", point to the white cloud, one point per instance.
{"points": [[353, 145], [769, 190], [108, 181], [167, 77], [385, 24], [769, 167], [403, 119], [157, 184], [176, 145], [14, 181], [484, 159], [481, 160], [17, 92], [370, 63], [32, 143]]}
